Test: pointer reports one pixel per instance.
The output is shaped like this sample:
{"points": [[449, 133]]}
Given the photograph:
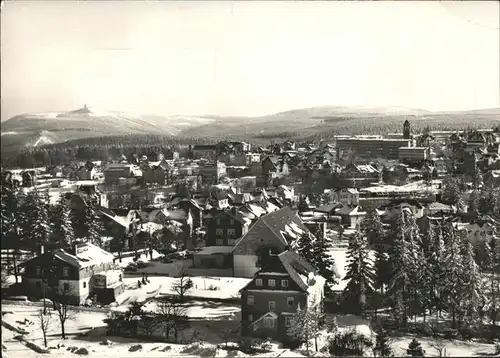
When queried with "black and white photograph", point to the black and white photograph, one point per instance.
{"points": [[250, 178]]}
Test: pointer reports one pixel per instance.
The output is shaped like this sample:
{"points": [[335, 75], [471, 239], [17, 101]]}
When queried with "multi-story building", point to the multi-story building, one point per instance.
{"points": [[348, 197], [274, 232], [78, 275], [370, 149], [226, 228], [270, 299], [414, 154], [212, 173], [114, 172]]}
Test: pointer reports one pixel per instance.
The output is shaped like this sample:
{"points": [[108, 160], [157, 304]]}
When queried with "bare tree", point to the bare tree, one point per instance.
{"points": [[44, 320], [172, 316], [183, 285], [63, 309]]}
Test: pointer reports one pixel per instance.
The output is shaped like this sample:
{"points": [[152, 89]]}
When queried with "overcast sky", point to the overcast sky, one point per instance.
{"points": [[247, 58]]}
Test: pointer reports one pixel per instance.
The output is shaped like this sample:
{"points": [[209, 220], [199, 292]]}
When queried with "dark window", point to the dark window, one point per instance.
{"points": [[66, 287]]}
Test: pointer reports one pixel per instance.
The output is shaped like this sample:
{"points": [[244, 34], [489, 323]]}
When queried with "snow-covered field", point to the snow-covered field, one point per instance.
{"points": [[203, 287], [87, 330]]}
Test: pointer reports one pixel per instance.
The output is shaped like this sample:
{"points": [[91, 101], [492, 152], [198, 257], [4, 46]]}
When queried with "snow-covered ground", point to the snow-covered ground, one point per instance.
{"points": [[203, 287], [87, 330]]}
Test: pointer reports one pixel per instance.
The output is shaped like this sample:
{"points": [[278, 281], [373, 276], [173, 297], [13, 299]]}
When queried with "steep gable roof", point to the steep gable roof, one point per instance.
{"points": [[271, 229], [298, 269]]}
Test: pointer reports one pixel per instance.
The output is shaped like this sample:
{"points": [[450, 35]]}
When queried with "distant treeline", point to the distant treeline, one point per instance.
{"points": [[99, 148], [374, 126]]}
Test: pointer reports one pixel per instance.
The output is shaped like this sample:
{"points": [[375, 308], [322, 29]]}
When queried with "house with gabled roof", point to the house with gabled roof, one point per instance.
{"points": [[226, 227], [78, 274], [270, 299], [274, 232]]}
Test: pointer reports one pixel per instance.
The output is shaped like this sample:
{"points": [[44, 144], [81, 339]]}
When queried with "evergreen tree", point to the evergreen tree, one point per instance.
{"points": [[477, 178], [10, 223], [359, 272], [492, 307], [471, 293], [64, 234], [305, 247], [382, 346], [415, 349], [323, 261], [372, 226], [434, 260], [93, 224], [382, 268], [474, 203], [406, 262], [35, 219], [452, 193], [452, 270]]}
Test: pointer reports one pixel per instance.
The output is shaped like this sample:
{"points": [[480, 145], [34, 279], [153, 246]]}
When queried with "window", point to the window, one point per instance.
{"points": [[217, 221], [231, 232], [271, 282], [250, 300], [38, 271], [84, 284], [284, 283], [288, 321], [66, 287], [219, 232], [219, 242], [258, 282], [250, 318], [272, 305], [290, 301], [65, 271], [269, 322], [232, 222], [231, 242]]}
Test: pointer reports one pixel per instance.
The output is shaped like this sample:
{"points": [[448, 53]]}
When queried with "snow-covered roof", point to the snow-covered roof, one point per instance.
{"points": [[86, 255]]}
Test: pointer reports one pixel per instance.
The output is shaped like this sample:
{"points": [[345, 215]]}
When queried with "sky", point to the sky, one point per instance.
{"points": [[247, 58]]}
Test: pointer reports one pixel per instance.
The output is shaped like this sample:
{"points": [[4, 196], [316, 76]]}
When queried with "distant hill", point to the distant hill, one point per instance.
{"points": [[36, 129], [324, 122]]}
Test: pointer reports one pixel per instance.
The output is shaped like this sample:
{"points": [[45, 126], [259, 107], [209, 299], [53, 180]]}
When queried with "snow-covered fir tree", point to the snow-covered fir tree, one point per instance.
{"points": [[473, 203], [359, 272], [415, 349], [36, 228], [62, 224], [372, 226], [405, 281], [93, 224], [492, 281], [315, 250], [323, 261], [305, 247], [452, 271], [434, 260]]}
